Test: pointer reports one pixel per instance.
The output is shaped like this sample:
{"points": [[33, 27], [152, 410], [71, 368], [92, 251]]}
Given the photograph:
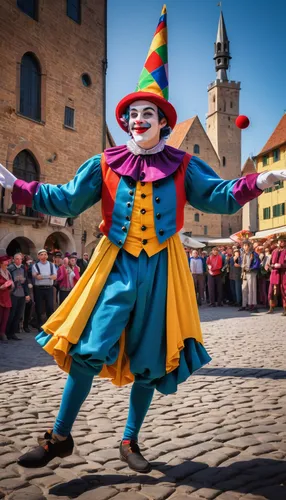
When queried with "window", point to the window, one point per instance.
{"points": [[231, 104], [279, 210], [268, 190], [205, 230], [278, 185], [30, 87], [196, 149], [26, 168], [219, 61], [86, 80], [219, 47], [69, 117], [197, 218], [29, 7], [223, 161], [276, 155], [74, 10], [265, 160], [266, 213]]}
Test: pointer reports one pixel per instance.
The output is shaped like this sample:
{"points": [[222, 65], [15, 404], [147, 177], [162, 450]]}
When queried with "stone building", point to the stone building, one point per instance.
{"points": [[52, 112], [219, 145]]}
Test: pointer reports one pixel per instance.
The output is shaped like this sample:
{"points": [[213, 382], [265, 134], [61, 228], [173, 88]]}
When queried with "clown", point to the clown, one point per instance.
{"points": [[132, 317]]}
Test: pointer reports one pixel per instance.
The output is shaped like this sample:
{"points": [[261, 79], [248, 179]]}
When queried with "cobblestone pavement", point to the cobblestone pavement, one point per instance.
{"points": [[223, 435]]}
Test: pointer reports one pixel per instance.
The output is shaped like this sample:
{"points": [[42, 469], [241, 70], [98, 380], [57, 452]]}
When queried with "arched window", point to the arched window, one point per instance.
{"points": [[197, 217], [223, 161], [30, 87], [196, 149], [219, 47], [26, 168]]}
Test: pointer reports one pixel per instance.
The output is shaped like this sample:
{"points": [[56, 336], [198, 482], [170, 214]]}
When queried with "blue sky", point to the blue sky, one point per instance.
{"points": [[256, 30]]}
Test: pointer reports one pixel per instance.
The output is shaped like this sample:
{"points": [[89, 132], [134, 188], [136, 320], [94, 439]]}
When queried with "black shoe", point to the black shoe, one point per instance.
{"points": [[242, 309], [27, 329], [130, 453], [13, 337], [49, 448]]}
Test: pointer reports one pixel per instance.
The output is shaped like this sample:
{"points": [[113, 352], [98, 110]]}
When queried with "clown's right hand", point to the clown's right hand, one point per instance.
{"points": [[7, 180]]}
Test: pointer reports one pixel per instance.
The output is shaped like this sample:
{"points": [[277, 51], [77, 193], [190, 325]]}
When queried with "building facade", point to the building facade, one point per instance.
{"points": [[272, 203], [219, 145], [52, 112]]}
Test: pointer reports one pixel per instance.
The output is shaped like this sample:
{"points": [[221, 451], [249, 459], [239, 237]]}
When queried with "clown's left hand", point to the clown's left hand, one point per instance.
{"points": [[267, 179]]}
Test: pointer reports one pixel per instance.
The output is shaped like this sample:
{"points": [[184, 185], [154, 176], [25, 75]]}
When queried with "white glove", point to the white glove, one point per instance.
{"points": [[7, 179], [267, 179]]}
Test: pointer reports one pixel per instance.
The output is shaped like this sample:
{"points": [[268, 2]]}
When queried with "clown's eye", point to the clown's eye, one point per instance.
{"points": [[148, 114], [133, 115]]}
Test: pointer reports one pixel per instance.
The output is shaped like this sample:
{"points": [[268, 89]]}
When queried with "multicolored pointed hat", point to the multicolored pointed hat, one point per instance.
{"points": [[153, 83]]}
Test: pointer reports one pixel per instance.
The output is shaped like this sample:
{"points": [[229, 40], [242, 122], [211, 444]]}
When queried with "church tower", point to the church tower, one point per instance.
{"points": [[223, 108]]}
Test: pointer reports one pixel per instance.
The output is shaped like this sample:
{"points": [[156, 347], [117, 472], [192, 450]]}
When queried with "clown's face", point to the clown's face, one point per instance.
{"points": [[144, 123]]}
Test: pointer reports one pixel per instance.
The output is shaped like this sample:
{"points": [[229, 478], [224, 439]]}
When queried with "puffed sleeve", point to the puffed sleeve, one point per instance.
{"points": [[207, 192], [63, 200]]}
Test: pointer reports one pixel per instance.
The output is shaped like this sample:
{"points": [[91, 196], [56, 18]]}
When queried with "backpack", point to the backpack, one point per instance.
{"points": [[38, 269]]}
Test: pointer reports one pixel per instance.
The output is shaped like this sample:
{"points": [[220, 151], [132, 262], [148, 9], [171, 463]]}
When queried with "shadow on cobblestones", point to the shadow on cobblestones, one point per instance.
{"points": [[242, 372], [265, 477]]}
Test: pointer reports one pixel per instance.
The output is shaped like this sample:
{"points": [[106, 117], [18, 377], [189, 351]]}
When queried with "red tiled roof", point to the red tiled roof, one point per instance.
{"points": [[278, 137], [179, 133], [248, 167]]}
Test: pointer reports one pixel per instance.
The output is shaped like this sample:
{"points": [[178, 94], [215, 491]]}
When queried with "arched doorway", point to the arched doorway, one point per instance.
{"points": [[21, 245], [26, 168], [58, 241]]}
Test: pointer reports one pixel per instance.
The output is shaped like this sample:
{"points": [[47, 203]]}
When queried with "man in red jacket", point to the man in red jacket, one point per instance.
{"points": [[215, 263], [278, 276]]}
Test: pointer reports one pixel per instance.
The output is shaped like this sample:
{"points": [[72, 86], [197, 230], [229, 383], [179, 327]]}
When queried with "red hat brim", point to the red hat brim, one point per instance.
{"points": [[167, 108]]}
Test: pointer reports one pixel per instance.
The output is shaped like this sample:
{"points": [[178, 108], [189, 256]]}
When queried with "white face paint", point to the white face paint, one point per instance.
{"points": [[144, 123]]}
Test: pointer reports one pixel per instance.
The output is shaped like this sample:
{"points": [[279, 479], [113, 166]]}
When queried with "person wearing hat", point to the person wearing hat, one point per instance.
{"points": [[132, 317], [278, 276], [44, 273], [6, 285]]}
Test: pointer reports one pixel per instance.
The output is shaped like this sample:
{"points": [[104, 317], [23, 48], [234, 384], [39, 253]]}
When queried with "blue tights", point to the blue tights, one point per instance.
{"points": [[76, 390]]}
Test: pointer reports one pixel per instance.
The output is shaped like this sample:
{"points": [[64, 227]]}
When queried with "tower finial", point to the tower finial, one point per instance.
{"points": [[222, 55]]}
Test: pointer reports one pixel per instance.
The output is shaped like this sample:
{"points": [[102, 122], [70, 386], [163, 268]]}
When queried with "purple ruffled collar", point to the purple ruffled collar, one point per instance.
{"points": [[149, 168]]}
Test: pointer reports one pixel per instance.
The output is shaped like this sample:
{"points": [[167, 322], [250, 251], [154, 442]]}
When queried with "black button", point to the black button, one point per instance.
{"points": [[142, 175], [143, 183], [156, 184], [144, 242], [124, 228], [131, 183], [131, 193], [143, 211], [158, 216], [143, 195], [127, 217], [143, 228], [161, 232], [157, 199], [119, 242], [128, 204]]}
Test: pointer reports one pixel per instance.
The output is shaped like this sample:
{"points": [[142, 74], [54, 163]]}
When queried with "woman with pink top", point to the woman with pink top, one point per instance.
{"points": [[67, 277], [6, 285]]}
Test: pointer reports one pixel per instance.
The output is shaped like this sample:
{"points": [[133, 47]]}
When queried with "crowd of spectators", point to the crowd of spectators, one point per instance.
{"points": [[30, 291]]}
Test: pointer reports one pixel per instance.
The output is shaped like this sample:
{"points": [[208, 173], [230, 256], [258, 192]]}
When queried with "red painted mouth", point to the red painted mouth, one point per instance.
{"points": [[140, 130]]}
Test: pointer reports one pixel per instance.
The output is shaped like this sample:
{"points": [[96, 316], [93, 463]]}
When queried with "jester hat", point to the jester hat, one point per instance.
{"points": [[153, 84]]}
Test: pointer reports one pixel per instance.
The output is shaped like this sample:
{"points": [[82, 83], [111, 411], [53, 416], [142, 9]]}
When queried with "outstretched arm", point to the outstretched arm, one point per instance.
{"points": [[207, 192], [67, 200]]}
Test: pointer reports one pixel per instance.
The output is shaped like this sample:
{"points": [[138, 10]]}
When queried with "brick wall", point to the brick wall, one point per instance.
{"points": [[65, 51]]}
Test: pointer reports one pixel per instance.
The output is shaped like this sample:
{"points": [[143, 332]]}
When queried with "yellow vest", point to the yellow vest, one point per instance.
{"points": [[142, 234]]}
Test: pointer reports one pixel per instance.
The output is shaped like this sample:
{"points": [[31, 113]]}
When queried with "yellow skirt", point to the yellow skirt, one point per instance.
{"points": [[68, 322]]}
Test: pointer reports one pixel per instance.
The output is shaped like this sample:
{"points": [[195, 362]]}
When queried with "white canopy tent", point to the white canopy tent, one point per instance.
{"points": [[268, 232], [191, 242]]}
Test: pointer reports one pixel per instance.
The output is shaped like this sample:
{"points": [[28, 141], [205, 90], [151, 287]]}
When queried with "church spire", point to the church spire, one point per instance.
{"points": [[222, 55]]}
